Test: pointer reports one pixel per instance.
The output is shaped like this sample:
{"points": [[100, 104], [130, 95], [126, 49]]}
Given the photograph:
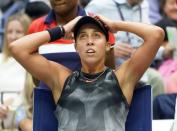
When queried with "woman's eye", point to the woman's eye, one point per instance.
{"points": [[82, 36], [97, 35]]}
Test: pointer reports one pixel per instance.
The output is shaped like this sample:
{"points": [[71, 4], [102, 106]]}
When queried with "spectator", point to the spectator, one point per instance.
{"points": [[96, 97], [84, 2], [12, 73], [155, 79], [23, 118], [9, 7], [154, 13], [36, 9], [168, 65], [60, 14], [168, 9]]}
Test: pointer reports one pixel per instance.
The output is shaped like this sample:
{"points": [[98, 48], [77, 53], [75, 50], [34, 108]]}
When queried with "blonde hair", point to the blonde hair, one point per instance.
{"points": [[27, 100], [24, 20], [28, 95]]}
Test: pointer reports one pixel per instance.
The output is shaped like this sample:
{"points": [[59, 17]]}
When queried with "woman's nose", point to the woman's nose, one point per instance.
{"points": [[90, 41]]}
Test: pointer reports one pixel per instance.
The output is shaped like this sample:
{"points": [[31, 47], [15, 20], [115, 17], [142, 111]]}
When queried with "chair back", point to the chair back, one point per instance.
{"points": [[139, 117], [140, 113], [43, 112]]}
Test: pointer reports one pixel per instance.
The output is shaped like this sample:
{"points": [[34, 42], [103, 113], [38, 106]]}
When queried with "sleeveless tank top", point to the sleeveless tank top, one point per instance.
{"points": [[92, 106]]}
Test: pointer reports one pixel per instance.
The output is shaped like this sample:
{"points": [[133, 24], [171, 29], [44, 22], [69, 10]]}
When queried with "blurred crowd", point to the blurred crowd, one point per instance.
{"points": [[22, 17]]}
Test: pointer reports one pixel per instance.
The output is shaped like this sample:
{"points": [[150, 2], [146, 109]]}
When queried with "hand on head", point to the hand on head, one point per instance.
{"points": [[70, 25], [107, 22]]}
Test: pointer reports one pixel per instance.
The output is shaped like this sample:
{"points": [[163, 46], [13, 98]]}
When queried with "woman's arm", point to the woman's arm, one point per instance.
{"points": [[24, 50], [142, 58], [131, 70]]}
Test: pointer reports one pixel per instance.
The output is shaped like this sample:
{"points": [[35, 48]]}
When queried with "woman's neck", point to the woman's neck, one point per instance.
{"points": [[93, 70]]}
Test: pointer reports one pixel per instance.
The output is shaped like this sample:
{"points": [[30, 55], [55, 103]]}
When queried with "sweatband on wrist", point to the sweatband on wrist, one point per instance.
{"points": [[56, 33]]}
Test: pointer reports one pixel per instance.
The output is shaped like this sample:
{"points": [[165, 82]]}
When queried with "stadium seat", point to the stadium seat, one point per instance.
{"points": [[140, 114], [139, 117]]}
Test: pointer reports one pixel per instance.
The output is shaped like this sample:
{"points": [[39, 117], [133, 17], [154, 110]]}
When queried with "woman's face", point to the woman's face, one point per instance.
{"points": [[14, 31], [170, 9], [91, 44]]}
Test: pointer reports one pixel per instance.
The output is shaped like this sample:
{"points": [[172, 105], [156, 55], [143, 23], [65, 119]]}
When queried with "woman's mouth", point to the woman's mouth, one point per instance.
{"points": [[90, 51]]}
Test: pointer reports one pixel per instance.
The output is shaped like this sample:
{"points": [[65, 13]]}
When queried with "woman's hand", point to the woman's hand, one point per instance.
{"points": [[70, 25], [108, 23]]}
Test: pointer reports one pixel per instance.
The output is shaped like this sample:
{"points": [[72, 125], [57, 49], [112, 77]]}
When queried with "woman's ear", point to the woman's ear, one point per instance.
{"points": [[108, 47]]}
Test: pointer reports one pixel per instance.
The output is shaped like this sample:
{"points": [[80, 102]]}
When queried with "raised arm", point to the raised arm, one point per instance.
{"points": [[131, 70], [24, 50]]}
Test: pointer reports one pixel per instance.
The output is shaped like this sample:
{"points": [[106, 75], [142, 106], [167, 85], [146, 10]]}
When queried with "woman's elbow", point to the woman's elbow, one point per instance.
{"points": [[158, 35], [13, 48]]}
